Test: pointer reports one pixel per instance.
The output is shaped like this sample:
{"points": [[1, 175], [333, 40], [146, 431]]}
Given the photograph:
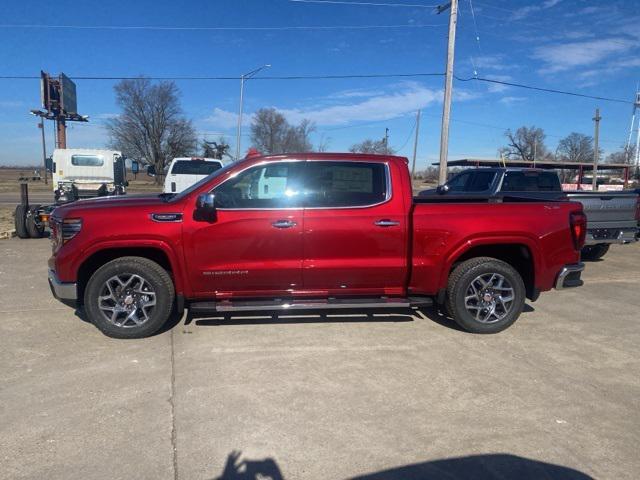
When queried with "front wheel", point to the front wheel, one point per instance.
{"points": [[129, 297], [485, 295]]}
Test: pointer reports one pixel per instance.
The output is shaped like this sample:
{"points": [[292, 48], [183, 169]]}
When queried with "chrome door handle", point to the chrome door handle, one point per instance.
{"points": [[284, 224], [386, 223]]}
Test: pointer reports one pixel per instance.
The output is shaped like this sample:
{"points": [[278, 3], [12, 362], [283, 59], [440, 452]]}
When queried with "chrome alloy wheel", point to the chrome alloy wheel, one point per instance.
{"points": [[127, 300], [489, 297]]}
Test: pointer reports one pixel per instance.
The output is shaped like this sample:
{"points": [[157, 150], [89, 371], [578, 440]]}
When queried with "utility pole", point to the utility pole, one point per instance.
{"points": [[44, 150], [415, 146], [61, 133], [386, 141], [244, 77], [448, 87], [596, 149]]}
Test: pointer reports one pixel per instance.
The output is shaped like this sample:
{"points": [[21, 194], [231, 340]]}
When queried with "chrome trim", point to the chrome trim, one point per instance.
{"points": [[625, 236], [388, 196], [566, 270], [62, 290], [247, 306]]}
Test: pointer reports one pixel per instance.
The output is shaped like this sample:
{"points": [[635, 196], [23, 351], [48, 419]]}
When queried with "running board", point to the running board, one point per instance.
{"points": [[310, 304]]}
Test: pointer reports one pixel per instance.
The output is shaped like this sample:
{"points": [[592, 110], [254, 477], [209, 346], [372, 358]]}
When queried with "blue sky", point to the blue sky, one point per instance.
{"points": [[587, 46]]}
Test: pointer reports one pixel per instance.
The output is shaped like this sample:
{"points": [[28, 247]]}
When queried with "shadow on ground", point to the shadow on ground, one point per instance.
{"points": [[477, 467]]}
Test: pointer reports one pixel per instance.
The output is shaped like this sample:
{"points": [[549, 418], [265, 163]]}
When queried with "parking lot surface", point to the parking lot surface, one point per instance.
{"points": [[401, 395]]}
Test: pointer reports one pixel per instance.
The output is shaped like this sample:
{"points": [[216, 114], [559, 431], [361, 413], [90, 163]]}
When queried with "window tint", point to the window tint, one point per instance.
{"points": [[87, 160], [264, 186], [344, 184], [459, 182], [194, 167], [530, 182], [480, 181]]}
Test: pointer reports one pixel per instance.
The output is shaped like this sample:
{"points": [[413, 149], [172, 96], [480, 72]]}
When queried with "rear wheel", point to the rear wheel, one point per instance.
{"points": [[594, 252], [485, 295], [35, 228], [21, 222], [130, 297]]}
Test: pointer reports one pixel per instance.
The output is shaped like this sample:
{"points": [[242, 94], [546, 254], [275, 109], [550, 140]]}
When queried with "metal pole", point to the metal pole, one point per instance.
{"points": [[238, 136], [386, 141], [448, 87], [415, 146], [44, 150], [596, 152]]}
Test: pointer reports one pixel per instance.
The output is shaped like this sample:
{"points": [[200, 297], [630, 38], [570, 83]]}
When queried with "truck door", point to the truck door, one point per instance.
{"points": [[354, 229], [254, 246]]}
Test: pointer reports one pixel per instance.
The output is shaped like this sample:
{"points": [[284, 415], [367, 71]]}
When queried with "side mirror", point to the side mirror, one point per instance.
{"points": [[206, 206], [151, 170], [442, 189], [50, 165], [135, 167]]}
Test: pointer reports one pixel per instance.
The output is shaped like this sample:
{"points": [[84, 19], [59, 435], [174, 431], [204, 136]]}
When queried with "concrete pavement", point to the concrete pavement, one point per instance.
{"points": [[405, 395]]}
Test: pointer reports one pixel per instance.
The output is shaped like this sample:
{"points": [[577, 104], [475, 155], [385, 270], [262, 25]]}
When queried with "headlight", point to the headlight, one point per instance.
{"points": [[64, 230]]}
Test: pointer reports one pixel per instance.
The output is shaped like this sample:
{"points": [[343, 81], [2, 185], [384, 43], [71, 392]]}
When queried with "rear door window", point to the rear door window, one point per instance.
{"points": [[194, 167], [530, 182], [344, 184]]}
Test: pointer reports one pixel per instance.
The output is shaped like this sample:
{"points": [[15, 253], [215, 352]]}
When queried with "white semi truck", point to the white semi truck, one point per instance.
{"points": [[76, 174]]}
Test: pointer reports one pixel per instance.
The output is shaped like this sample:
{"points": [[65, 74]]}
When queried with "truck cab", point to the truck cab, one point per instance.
{"points": [[185, 171], [86, 173]]}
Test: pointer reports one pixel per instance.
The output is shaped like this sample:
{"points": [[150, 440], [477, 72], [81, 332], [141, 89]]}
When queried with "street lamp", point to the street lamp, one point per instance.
{"points": [[246, 76]]}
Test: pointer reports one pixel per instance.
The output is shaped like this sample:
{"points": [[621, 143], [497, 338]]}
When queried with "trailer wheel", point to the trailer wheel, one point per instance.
{"points": [[485, 295], [21, 222], [35, 229]]}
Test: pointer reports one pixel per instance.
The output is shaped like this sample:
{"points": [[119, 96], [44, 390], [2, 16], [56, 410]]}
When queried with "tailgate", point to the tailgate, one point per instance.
{"points": [[607, 207]]}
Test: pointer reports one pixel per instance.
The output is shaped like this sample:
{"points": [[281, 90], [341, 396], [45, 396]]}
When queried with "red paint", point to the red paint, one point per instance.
{"points": [[329, 251]]}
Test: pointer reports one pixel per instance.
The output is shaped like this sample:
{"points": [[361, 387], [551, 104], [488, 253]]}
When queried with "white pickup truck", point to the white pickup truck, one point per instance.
{"points": [[185, 171]]}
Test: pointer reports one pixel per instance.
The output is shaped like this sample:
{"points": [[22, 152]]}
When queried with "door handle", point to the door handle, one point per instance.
{"points": [[284, 224], [386, 223]]}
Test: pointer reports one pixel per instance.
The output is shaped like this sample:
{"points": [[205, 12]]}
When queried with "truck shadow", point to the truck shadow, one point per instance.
{"points": [[477, 467]]}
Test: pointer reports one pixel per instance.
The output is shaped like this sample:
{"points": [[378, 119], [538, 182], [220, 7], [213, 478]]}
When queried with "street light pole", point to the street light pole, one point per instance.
{"points": [[239, 130]]}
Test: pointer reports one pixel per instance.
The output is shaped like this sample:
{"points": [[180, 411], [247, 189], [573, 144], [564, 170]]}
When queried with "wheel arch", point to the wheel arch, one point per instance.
{"points": [[104, 255], [519, 255]]}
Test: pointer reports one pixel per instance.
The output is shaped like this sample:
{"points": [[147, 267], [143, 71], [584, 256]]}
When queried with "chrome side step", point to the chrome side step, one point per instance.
{"points": [[280, 304]]}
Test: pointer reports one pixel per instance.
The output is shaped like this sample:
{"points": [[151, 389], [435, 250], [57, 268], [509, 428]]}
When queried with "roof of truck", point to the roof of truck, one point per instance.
{"points": [[371, 157]]}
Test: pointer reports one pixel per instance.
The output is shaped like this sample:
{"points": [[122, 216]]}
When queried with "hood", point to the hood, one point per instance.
{"points": [[113, 202]]}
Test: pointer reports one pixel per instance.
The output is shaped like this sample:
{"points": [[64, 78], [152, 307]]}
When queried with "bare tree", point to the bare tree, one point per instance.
{"points": [[151, 126], [218, 149], [271, 133], [527, 143], [624, 155], [575, 147], [372, 146]]}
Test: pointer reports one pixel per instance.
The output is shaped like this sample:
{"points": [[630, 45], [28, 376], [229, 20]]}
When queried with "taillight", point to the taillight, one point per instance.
{"points": [[578, 223]]}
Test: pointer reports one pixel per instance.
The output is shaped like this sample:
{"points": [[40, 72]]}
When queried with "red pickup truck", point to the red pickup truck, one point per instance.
{"points": [[310, 231]]}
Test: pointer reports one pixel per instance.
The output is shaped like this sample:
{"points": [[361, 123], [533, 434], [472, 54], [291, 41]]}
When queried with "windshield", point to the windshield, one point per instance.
{"points": [[194, 167], [198, 184]]}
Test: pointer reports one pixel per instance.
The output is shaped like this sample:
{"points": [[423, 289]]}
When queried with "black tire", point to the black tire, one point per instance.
{"points": [[21, 222], [34, 229], [594, 252], [460, 285], [157, 280]]}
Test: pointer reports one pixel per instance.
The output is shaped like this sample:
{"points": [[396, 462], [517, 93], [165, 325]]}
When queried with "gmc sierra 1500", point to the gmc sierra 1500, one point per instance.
{"points": [[310, 231]]}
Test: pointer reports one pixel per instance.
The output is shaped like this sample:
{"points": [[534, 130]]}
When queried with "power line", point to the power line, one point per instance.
{"points": [[541, 89], [375, 4], [284, 77], [166, 27]]}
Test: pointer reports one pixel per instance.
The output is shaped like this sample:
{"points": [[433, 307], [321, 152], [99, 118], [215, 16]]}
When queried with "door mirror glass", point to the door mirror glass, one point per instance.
{"points": [[151, 170], [206, 206], [442, 189]]}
